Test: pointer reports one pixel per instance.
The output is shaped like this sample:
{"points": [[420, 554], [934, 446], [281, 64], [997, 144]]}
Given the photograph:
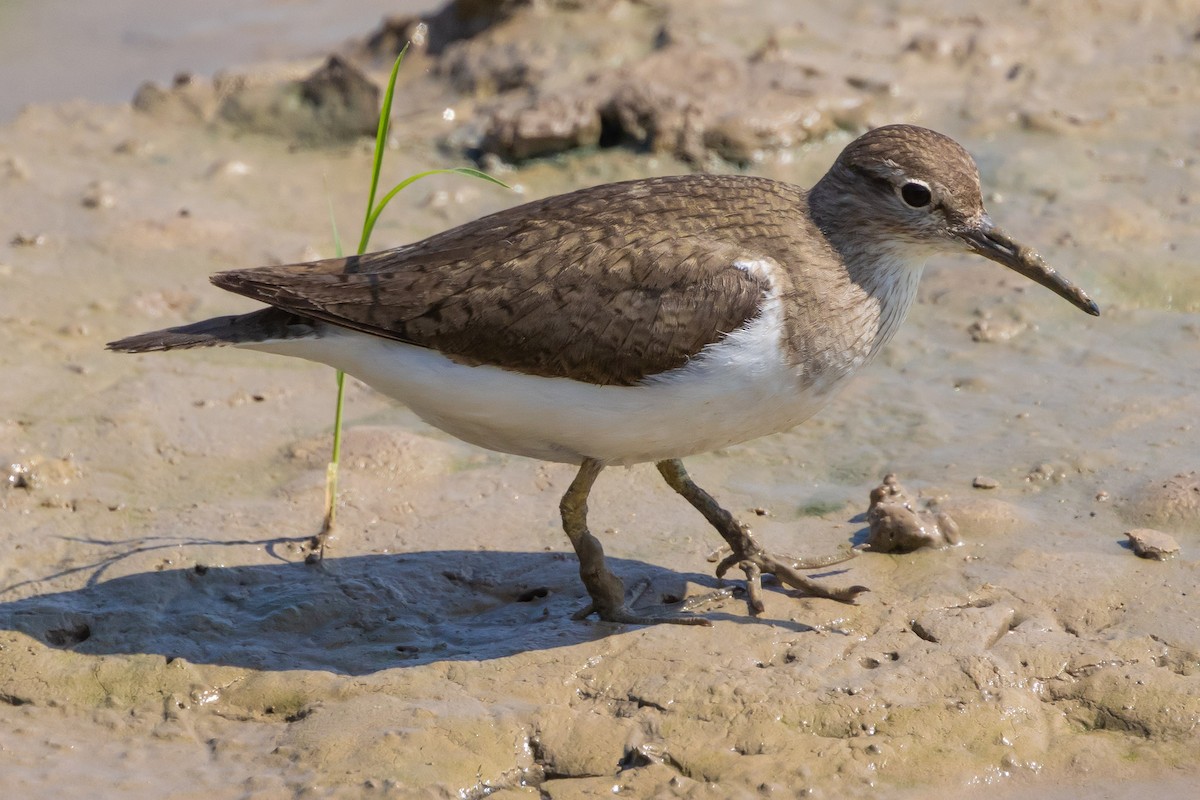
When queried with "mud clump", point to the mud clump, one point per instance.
{"points": [[643, 86], [1149, 543], [993, 328], [333, 104], [554, 125], [187, 99], [695, 103], [501, 68], [895, 525]]}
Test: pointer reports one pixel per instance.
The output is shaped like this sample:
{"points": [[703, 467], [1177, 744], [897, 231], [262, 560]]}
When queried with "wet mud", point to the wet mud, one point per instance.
{"points": [[161, 635]]}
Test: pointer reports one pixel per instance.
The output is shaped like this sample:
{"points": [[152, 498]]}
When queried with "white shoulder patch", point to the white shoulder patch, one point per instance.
{"points": [[764, 268]]}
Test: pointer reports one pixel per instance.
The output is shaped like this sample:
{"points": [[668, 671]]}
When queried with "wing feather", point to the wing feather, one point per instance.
{"points": [[608, 285]]}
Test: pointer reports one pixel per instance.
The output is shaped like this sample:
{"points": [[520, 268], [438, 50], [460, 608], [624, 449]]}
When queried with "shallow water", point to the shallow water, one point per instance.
{"points": [[154, 607], [55, 50]]}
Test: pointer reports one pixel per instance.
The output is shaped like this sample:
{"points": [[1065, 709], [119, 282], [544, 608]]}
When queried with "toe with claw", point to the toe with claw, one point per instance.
{"points": [[746, 553]]}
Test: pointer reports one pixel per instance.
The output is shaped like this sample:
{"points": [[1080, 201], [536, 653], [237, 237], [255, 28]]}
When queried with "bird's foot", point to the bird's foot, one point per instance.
{"points": [[811, 562], [627, 616], [745, 552], [754, 561], [715, 596], [620, 611]]}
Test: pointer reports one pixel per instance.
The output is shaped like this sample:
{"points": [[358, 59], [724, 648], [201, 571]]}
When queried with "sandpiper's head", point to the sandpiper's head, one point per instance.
{"points": [[917, 191]]}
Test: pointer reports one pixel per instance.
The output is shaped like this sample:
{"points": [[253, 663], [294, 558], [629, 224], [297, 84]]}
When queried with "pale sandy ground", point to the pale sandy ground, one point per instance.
{"points": [[163, 637]]}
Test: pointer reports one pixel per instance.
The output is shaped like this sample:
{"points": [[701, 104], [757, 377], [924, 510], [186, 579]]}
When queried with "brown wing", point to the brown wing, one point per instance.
{"points": [[606, 285]]}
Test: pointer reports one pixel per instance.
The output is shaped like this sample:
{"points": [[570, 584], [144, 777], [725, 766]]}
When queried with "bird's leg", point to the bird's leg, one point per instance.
{"points": [[606, 589], [747, 553]]}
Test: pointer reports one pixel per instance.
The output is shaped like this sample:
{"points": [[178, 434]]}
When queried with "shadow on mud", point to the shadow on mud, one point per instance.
{"points": [[354, 615]]}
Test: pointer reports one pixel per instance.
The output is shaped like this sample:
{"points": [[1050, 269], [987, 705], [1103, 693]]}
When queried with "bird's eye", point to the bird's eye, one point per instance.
{"points": [[916, 194]]}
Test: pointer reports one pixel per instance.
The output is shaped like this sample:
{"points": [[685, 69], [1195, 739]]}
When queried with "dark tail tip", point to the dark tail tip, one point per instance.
{"points": [[200, 334], [257, 326]]}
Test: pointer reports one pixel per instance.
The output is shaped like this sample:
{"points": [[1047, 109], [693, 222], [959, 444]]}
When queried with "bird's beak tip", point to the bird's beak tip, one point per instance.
{"points": [[994, 244]]}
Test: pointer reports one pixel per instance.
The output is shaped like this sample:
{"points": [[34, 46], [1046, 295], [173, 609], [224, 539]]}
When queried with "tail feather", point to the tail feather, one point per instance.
{"points": [[258, 326]]}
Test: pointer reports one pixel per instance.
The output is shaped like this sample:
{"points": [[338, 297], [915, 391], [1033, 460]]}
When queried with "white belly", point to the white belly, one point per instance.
{"points": [[738, 389]]}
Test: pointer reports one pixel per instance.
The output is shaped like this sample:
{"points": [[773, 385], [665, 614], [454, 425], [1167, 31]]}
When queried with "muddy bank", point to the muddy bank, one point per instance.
{"points": [[155, 607]]}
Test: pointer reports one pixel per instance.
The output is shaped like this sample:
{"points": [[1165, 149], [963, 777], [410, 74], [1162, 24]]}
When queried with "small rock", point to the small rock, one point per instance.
{"points": [[132, 147], [228, 168], [20, 476], [28, 240], [984, 482], [1046, 473], [38, 472], [98, 195], [1149, 543], [873, 85]]}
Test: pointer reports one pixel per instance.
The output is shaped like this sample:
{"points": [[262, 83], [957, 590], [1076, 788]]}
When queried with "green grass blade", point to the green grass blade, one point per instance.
{"points": [[381, 132], [385, 117], [331, 469], [369, 220], [411, 179]]}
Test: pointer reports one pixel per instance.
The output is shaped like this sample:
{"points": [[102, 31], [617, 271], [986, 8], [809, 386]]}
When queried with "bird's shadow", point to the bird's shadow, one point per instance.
{"points": [[353, 615]]}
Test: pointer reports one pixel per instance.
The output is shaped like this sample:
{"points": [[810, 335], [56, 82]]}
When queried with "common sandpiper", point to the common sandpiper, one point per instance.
{"points": [[641, 321]]}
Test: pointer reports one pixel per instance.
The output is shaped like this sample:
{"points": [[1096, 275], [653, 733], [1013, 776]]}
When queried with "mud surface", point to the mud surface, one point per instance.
{"points": [[160, 634]]}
